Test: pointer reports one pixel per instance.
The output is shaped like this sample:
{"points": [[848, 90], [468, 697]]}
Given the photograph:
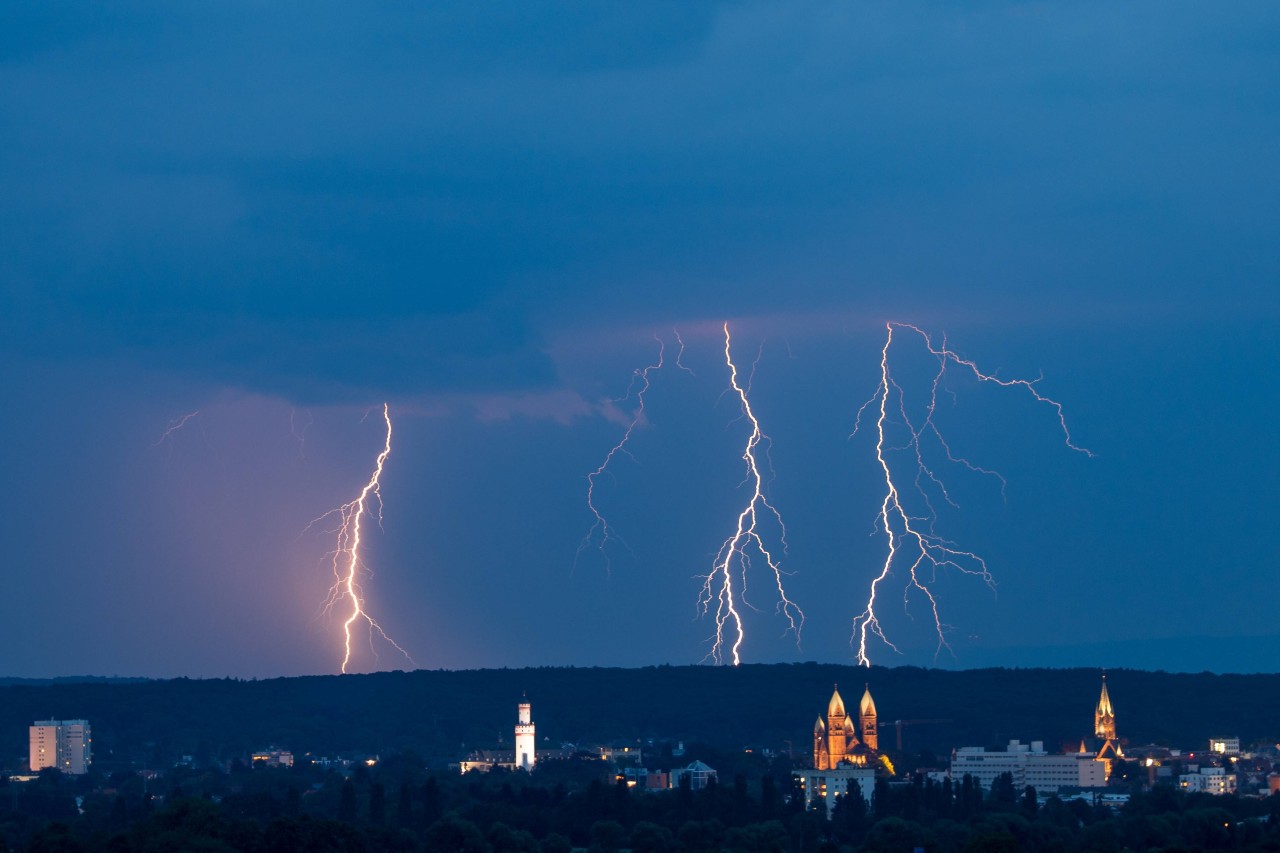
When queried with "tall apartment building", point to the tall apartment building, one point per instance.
{"points": [[64, 744]]}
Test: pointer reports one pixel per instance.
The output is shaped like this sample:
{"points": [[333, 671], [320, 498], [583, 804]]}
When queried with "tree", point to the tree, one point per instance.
{"points": [[1029, 804], [1003, 793], [292, 801], [404, 806], [768, 797], [556, 843], [55, 837], [893, 835], [607, 836], [347, 802], [648, 837], [992, 842], [454, 834], [377, 804], [430, 801]]}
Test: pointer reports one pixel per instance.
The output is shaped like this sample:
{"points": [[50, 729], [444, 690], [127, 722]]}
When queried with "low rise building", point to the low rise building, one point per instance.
{"points": [[1208, 780], [1029, 764], [827, 785], [699, 775], [1225, 745], [273, 757]]}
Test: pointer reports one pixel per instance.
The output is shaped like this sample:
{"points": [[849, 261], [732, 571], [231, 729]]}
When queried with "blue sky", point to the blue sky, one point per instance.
{"points": [[283, 217]]}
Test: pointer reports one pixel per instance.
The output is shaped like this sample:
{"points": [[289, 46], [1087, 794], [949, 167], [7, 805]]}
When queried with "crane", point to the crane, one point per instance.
{"points": [[898, 725]]}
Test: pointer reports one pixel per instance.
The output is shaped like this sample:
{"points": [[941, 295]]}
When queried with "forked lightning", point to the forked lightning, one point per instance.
{"points": [[347, 564], [725, 585], [911, 539]]}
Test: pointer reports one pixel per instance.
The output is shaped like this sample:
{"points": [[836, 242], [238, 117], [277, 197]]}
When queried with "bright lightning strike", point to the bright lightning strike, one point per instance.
{"points": [[911, 538], [725, 584], [347, 564]]}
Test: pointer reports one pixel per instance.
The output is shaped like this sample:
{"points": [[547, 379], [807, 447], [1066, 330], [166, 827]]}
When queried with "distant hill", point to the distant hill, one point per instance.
{"points": [[440, 714], [73, 679]]}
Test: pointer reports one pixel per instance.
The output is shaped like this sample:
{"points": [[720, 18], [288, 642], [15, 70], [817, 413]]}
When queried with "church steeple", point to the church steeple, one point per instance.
{"points": [[1104, 728], [820, 759], [1104, 716], [867, 712], [837, 729]]}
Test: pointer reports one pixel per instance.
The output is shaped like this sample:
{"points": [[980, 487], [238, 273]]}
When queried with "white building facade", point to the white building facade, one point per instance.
{"points": [[1225, 745], [66, 745], [1030, 765], [1209, 780], [526, 740], [828, 785]]}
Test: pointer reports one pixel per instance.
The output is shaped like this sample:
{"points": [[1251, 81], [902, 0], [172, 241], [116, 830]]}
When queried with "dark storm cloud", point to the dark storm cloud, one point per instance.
{"points": [[407, 197], [276, 213]]}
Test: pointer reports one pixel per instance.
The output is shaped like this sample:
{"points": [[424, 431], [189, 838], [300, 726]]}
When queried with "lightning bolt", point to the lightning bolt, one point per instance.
{"points": [[680, 354], [175, 424], [347, 563], [300, 433], [911, 539], [725, 584], [638, 387]]}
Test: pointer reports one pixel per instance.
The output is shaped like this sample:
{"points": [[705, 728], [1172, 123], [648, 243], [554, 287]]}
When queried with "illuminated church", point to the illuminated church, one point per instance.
{"points": [[1104, 726], [1104, 731], [842, 739]]}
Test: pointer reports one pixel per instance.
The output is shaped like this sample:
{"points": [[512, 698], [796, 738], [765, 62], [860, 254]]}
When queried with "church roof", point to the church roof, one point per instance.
{"points": [[819, 726], [835, 708], [868, 705], [1104, 702]]}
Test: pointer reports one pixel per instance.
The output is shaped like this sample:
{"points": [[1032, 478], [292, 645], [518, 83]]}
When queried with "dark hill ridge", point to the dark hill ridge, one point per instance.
{"points": [[440, 713]]}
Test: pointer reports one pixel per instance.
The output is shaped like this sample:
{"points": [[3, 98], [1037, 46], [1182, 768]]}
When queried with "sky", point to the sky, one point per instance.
{"points": [[488, 216]]}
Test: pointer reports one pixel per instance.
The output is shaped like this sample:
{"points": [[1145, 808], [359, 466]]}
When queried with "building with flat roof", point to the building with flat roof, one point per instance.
{"points": [[826, 785], [1029, 764], [66, 745], [1225, 745], [1209, 780]]}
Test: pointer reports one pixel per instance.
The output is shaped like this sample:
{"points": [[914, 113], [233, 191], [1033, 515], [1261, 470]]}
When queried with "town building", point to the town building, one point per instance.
{"points": [[645, 779], [836, 740], [273, 757], [1225, 745], [523, 757], [829, 784], [699, 775], [66, 745], [1028, 764], [1208, 780], [526, 741], [1104, 728], [845, 753]]}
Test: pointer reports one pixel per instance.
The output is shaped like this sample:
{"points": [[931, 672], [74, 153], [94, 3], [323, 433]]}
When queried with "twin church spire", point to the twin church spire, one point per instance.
{"points": [[837, 740]]}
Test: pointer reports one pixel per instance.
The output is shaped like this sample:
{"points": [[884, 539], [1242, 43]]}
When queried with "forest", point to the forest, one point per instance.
{"points": [[441, 715], [573, 804]]}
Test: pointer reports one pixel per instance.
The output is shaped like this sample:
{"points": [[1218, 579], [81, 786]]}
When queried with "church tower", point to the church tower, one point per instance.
{"points": [[867, 712], [1104, 718], [1104, 727], [837, 729], [820, 759], [526, 741]]}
